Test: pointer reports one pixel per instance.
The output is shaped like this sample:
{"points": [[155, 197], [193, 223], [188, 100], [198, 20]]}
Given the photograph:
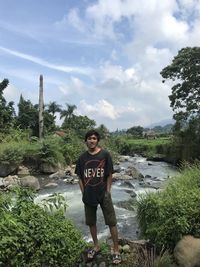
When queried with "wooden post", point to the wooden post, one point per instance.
{"points": [[41, 108]]}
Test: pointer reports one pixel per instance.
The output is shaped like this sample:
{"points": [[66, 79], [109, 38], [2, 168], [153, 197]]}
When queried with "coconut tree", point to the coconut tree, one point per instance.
{"points": [[53, 107], [68, 115]]}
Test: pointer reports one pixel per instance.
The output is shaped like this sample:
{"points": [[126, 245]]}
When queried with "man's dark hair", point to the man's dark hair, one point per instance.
{"points": [[92, 132]]}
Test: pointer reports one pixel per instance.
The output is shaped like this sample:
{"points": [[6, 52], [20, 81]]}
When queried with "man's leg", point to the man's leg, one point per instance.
{"points": [[93, 231], [114, 236], [110, 220], [90, 215]]}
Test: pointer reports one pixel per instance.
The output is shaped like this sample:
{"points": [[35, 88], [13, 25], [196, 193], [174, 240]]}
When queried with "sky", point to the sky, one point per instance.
{"points": [[104, 56]]}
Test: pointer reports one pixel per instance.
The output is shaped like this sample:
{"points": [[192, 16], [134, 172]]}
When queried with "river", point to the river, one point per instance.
{"points": [[155, 173]]}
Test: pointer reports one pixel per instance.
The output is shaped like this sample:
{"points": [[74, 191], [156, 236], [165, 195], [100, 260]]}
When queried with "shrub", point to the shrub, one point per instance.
{"points": [[165, 216], [50, 150], [32, 237], [11, 152], [72, 148]]}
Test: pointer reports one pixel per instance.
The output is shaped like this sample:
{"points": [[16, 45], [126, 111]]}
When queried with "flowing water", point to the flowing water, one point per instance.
{"points": [[160, 172]]}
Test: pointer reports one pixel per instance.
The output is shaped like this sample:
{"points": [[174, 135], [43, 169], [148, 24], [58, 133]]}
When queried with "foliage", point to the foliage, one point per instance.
{"points": [[53, 107], [11, 152], [135, 131], [54, 201], [184, 71], [50, 150], [32, 237], [165, 216], [15, 135], [164, 259], [103, 131], [79, 124], [72, 147], [7, 112], [130, 146], [28, 117], [68, 115]]}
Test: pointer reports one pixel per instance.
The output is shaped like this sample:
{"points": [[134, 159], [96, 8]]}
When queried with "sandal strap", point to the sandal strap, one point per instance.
{"points": [[116, 258]]}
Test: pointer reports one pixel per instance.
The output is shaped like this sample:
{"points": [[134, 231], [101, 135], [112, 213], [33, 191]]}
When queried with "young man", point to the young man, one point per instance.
{"points": [[94, 169]]}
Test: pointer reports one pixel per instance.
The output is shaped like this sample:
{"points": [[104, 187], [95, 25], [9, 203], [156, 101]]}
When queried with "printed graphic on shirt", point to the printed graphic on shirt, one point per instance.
{"points": [[94, 172]]}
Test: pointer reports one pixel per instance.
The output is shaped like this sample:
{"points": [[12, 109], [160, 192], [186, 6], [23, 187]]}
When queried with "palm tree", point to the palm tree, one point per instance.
{"points": [[53, 107], [68, 115]]}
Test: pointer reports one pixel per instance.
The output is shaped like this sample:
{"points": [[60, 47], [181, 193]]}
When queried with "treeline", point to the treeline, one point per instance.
{"points": [[184, 72], [27, 117]]}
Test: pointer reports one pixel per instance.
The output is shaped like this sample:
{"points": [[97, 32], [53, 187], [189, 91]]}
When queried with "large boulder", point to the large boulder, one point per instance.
{"points": [[30, 181], [187, 252], [47, 167], [134, 173], [7, 168]]}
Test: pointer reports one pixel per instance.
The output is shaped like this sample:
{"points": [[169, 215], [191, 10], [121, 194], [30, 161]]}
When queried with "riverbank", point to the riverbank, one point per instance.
{"points": [[155, 149]]}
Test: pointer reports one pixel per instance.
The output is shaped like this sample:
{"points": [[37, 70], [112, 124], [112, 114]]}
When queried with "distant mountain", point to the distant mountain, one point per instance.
{"points": [[161, 123]]}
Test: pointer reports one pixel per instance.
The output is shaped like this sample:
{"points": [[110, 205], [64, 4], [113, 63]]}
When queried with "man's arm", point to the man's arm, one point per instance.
{"points": [[81, 185], [109, 183]]}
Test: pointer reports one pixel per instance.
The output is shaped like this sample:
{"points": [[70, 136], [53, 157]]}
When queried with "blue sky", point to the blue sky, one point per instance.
{"points": [[103, 56]]}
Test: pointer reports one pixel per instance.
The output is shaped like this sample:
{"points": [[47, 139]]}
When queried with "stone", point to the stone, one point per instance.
{"points": [[23, 170], [58, 175], [51, 185], [133, 194], [46, 167], [7, 168], [102, 264], [134, 173], [187, 251], [126, 248], [1, 182], [30, 181], [11, 181]]}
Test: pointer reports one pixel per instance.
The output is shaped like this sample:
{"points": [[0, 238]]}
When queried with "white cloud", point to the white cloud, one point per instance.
{"points": [[102, 109], [74, 19], [126, 43], [74, 86], [174, 29], [44, 63]]}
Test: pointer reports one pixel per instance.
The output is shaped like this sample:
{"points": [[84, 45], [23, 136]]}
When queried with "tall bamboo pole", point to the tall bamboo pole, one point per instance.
{"points": [[41, 108]]}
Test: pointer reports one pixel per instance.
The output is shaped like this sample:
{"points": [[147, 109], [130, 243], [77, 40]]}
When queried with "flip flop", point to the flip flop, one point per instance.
{"points": [[116, 258], [92, 253]]}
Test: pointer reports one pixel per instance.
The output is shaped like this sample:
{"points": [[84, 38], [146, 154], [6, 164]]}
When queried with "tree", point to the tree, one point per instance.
{"points": [[68, 115], [53, 107], [103, 131], [136, 131], [185, 73], [27, 116], [7, 112]]}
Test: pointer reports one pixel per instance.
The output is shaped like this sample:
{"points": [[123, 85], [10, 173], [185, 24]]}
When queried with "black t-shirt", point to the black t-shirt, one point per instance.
{"points": [[94, 170]]}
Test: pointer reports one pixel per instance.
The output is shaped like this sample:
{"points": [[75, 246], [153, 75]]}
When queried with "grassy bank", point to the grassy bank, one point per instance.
{"points": [[146, 147], [164, 217]]}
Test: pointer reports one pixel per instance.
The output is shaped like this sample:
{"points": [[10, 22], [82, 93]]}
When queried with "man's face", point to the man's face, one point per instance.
{"points": [[92, 142]]}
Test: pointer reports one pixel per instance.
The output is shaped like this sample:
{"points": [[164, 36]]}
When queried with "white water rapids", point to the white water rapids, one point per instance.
{"points": [[127, 224]]}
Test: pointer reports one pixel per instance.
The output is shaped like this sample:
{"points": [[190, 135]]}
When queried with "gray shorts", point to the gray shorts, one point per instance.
{"points": [[107, 209]]}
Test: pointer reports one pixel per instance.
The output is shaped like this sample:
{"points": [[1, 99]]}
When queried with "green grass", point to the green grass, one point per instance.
{"points": [[149, 142], [146, 147]]}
